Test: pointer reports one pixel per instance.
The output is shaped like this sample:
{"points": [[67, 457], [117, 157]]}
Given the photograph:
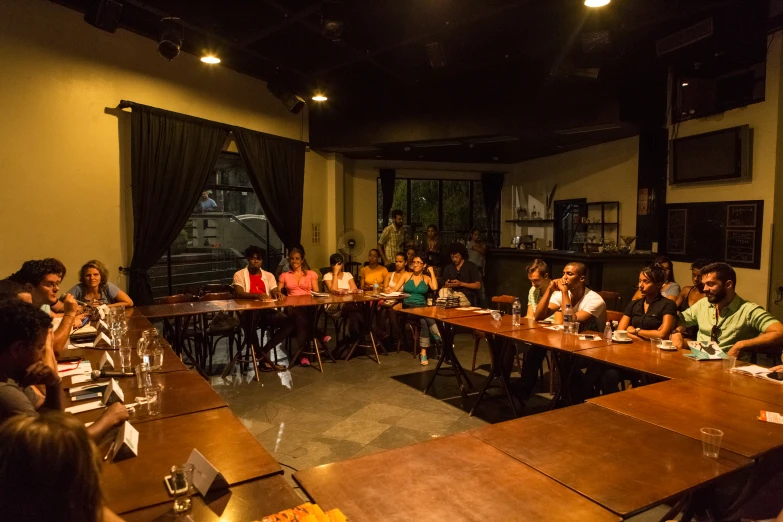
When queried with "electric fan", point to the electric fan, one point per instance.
{"points": [[350, 244]]}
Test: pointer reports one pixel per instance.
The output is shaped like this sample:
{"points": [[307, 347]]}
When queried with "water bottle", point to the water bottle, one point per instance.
{"points": [[608, 332], [375, 289], [568, 317], [516, 312]]}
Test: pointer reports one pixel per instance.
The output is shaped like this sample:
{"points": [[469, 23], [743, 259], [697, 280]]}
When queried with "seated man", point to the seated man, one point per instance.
{"points": [[254, 283], [462, 275], [23, 331], [724, 317], [41, 279], [538, 275]]}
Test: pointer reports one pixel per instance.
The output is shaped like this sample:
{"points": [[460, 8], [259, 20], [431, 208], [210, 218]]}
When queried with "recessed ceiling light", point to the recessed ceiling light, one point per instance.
{"points": [[684, 84], [596, 3], [210, 59], [319, 97]]}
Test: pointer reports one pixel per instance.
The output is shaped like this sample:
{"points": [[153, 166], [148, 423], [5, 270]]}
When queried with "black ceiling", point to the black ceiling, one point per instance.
{"points": [[516, 70]]}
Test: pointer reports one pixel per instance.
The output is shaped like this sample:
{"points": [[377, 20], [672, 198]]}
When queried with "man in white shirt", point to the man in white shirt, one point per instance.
{"points": [[255, 283]]}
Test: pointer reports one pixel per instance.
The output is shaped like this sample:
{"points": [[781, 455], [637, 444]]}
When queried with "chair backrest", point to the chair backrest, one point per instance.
{"points": [[214, 288], [176, 299], [217, 296], [325, 270], [612, 315], [353, 267], [502, 300], [613, 300]]}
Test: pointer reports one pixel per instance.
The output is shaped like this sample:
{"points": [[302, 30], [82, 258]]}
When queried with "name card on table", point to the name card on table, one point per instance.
{"points": [[103, 326], [113, 393], [103, 311], [206, 477], [102, 339], [106, 360], [127, 442]]}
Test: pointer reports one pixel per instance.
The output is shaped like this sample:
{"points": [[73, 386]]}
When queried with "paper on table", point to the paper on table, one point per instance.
{"points": [[480, 311], [468, 308], [75, 346], [391, 294], [76, 379], [85, 368], [594, 338], [87, 406], [555, 327]]}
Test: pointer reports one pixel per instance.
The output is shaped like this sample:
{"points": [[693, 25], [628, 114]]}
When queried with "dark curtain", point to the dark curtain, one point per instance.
{"points": [[171, 157], [491, 186], [387, 193], [275, 167]]}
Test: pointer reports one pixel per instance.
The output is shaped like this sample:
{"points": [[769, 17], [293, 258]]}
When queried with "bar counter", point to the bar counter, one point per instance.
{"points": [[505, 270]]}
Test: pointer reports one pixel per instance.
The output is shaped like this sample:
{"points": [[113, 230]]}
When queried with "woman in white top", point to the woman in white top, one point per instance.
{"points": [[339, 280]]}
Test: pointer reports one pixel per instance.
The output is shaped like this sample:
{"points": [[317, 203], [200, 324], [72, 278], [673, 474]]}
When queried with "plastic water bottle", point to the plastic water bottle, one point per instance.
{"points": [[568, 315], [516, 312], [375, 289], [608, 332]]}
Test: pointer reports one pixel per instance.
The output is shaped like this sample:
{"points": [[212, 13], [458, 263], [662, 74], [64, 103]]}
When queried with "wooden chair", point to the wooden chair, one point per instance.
{"points": [[215, 288], [613, 300], [188, 331], [612, 315], [214, 331]]}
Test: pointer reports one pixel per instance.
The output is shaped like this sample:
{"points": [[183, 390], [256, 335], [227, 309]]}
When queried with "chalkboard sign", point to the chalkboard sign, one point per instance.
{"points": [[741, 216], [677, 230], [728, 231], [740, 246]]}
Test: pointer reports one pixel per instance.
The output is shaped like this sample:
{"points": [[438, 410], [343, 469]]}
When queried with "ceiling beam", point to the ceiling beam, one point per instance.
{"points": [[289, 19]]}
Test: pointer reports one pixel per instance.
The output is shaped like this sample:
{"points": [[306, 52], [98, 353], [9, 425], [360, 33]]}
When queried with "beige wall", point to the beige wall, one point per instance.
{"points": [[763, 119], [606, 172], [64, 151]]}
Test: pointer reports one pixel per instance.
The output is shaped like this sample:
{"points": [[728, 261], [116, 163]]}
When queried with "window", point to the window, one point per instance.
{"points": [[209, 247], [454, 206]]}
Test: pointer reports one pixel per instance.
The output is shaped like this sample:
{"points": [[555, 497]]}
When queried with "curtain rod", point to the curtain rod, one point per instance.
{"points": [[468, 171], [124, 104]]}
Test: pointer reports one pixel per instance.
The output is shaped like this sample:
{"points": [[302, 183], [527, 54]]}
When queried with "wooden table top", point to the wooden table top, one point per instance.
{"points": [[451, 478], [674, 365], [623, 464], [685, 408], [485, 323], [171, 363], [554, 339], [137, 482], [248, 501], [158, 311], [437, 313], [182, 393]]}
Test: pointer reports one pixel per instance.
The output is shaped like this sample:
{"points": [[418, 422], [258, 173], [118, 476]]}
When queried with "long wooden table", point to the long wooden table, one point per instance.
{"points": [[452, 478], [623, 464]]}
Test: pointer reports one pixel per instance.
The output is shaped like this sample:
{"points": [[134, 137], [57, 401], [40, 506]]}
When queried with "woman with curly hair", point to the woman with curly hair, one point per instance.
{"points": [[94, 286]]}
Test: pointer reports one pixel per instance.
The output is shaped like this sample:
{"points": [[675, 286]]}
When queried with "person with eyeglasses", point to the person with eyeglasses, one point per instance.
{"points": [[723, 317]]}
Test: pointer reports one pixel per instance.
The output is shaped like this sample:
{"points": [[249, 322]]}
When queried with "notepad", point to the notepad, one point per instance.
{"points": [[68, 369], [755, 371], [87, 406]]}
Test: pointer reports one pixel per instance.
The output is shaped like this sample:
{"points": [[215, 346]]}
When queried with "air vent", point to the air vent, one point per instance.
{"points": [[685, 37]]}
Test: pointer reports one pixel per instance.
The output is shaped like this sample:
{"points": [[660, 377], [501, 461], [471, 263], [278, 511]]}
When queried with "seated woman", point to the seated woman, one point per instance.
{"points": [[434, 257], [388, 309], [410, 253], [337, 279], [418, 284], [373, 273], [690, 295], [94, 286], [299, 281], [52, 449], [670, 289]]}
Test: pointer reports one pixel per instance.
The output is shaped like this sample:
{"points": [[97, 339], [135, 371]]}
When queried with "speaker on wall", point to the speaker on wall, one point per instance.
{"points": [[103, 14]]}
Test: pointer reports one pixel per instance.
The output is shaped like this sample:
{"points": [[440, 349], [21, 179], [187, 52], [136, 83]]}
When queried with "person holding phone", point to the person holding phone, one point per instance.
{"points": [[462, 275]]}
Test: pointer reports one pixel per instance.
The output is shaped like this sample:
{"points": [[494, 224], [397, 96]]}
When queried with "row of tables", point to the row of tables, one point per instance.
{"points": [[608, 459], [192, 416]]}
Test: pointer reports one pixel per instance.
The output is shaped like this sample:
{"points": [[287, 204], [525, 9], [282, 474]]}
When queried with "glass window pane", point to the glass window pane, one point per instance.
{"points": [[479, 214], [424, 206], [400, 201], [456, 207]]}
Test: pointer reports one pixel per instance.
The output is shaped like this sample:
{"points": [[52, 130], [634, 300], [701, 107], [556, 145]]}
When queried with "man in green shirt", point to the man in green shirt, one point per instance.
{"points": [[724, 317]]}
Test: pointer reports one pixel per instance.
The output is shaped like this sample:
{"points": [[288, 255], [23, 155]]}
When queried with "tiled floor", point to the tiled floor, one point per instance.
{"points": [[306, 418]]}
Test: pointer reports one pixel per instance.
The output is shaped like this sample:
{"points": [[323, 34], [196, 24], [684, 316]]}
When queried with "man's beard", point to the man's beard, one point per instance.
{"points": [[717, 297]]}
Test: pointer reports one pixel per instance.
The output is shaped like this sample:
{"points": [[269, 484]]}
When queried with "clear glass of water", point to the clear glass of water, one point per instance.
{"points": [[182, 478], [711, 439], [153, 400], [125, 358], [143, 378]]}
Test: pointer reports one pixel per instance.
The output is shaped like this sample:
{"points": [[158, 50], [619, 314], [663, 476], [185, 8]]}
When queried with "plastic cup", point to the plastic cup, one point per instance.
{"points": [[729, 362], [153, 400], [182, 479], [655, 343], [710, 442]]}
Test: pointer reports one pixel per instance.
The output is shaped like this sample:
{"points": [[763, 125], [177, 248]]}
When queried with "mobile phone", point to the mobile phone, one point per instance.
{"points": [[69, 360], [85, 321], [588, 337], [169, 481], [778, 376]]}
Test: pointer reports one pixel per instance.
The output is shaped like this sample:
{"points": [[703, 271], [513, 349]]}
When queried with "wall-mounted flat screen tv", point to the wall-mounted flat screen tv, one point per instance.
{"points": [[712, 157]]}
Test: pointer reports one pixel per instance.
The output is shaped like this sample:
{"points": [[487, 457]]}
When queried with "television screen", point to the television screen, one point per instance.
{"points": [[715, 156]]}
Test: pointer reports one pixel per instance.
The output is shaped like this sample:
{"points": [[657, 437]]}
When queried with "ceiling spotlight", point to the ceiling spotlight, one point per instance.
{"points": [[210, 59], [283, 92], [596, 3], [319, 97], [684, 84], [172, 33]]}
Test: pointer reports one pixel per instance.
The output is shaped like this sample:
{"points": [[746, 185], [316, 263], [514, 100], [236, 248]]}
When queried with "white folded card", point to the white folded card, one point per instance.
{"points": [[106, 360], [127, 442], [113, 393], [102, 326], [76, 379], [205, 475], [102, 340], [87, 406], [103, 311]]}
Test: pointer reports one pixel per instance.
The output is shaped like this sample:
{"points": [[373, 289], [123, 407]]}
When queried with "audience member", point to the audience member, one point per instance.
{"points": [[388, 309], [299, 281], [253, 282], [727, 319], [392, 237], [23, 331], [410, 253], [690, 295], [283, 265], [433, 250], [538, 275], [374, 273], [52, 454], [587, 306], [338, 279], [477, 249], [418, 284], [462, 275], [653, 315], [95, 288], [670, 289]]}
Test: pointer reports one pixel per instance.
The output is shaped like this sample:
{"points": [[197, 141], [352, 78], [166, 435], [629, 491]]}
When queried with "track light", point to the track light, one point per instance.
{"points": [[172, 33], [282, 92], [319, 97], [596, 3], [210, 59]]}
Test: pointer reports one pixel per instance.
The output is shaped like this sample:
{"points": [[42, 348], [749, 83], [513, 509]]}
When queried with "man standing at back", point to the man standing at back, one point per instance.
{"points": [[392, 238], [726, 318]]}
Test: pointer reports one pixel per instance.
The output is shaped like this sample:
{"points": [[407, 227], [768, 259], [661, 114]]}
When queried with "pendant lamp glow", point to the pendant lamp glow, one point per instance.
{"points": [[596, 3]]}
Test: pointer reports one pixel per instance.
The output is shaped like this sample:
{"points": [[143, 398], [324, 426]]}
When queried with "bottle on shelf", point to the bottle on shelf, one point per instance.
{"points": [[516, 312]]}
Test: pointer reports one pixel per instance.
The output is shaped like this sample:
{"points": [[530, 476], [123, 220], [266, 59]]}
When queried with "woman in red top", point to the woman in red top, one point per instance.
{"points": [[299, 281]]}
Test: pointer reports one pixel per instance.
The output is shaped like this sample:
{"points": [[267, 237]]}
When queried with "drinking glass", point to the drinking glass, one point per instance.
{"points": [[571, 327], [153, 394], [143, 378], [146, 335], [710, 442], [655, 343], [125, 358], [182, 477], [729, 362]]}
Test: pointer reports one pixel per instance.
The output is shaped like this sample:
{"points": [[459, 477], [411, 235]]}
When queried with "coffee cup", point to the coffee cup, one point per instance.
{"points": [[666, 344], [621, 335], [558, 317]]}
